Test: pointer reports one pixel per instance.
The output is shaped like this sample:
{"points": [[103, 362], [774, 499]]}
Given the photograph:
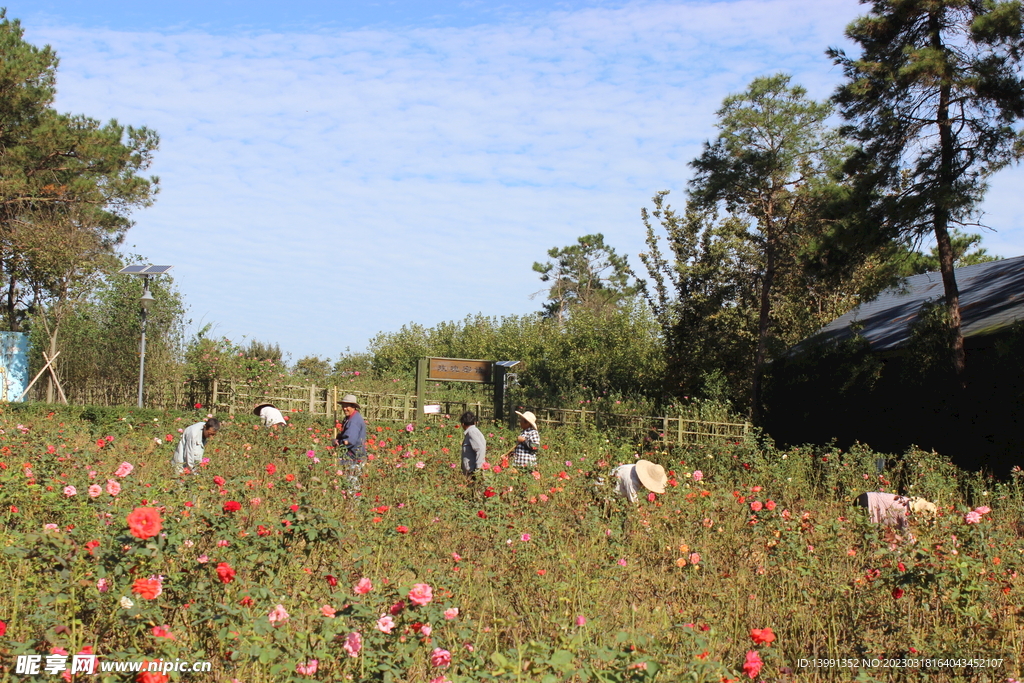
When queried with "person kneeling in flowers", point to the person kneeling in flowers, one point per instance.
{"points": [[891, 510], [269, 414], [627, 481], [189, 451]]}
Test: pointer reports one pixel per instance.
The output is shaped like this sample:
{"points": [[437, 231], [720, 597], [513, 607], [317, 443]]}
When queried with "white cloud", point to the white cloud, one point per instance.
{"points": [[319, 187]]}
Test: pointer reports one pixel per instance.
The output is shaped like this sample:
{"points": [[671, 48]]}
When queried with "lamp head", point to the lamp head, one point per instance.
{"points": [[146, 299]]}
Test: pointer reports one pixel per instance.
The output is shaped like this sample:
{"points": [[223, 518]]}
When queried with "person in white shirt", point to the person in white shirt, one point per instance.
{"points": [[189, 452], [627, 479], [269, 414]]}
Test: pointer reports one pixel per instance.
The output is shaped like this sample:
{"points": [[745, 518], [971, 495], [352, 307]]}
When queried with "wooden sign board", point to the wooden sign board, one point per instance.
{"points": [[459, 370]]}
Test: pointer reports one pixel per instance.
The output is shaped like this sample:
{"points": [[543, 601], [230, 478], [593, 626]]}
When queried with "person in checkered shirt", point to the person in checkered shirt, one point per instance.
{"points": [[528, 441]]}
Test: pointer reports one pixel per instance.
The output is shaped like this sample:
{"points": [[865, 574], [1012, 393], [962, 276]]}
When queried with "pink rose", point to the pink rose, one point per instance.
{"points": [[113, 488], [278, 615], [363, 587], [124, 469], [698, 475], [307, 669], [95, 490], [421, 594], [451, 613], [353, 644], [385, 623], [70, 491], [440, 657]]}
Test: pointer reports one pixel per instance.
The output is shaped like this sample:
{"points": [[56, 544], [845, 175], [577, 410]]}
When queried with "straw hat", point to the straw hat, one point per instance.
{"points": [[261, 406], [652, 476], [529, 417], [920, 505], [351, 399]]}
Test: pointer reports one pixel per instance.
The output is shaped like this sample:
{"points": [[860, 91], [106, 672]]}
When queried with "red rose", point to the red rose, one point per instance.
{"points": [[331, 580], [225, 573], [271, 468], [232, 506], [144, 522], [147, 588], [219, 481], [481, 514], [402, 529]]}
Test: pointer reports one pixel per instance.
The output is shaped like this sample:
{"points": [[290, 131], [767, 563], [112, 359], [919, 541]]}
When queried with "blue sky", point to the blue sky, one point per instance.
{"points": [[332, 170]]}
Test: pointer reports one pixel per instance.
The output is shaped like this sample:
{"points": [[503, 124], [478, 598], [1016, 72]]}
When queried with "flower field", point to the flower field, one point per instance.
{"points": [[752, 566]]}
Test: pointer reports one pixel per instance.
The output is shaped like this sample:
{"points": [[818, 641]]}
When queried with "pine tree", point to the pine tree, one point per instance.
{"points": [[933, 100]]}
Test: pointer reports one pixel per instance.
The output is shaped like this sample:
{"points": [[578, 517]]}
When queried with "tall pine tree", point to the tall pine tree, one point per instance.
{"points": [[933, 99]]}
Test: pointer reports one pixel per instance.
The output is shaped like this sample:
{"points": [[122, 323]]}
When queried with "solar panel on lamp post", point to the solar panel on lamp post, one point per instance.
{"points": [[146, 300]]}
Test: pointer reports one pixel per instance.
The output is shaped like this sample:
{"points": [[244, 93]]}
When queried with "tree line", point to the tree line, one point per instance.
{"points": [[797, 210]]}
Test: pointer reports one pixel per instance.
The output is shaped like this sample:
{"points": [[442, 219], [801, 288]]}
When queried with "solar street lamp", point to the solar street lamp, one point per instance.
{"points": [[145, 301]]}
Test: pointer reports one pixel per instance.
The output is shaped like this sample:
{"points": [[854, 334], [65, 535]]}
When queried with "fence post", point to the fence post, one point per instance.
{"points": [[213, 398], [312, 398], [231, 400], [421, 388]]}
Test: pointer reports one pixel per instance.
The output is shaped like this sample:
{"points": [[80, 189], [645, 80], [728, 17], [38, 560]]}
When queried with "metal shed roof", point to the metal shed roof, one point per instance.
{"points": [[991, 298]]}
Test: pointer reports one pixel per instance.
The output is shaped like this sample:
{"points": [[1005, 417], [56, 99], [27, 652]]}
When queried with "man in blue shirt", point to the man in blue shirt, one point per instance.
{"points": [[352, 438]]}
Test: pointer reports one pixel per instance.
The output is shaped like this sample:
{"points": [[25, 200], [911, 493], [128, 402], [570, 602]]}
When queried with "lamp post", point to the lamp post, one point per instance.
{"points": [[146, 300]]}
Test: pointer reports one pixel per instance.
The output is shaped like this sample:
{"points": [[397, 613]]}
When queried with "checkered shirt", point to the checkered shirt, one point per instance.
{"points": [[525, 454]]}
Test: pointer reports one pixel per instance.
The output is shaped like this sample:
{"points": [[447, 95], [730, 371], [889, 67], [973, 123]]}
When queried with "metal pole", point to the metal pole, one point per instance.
{"points": [[142, 356]]}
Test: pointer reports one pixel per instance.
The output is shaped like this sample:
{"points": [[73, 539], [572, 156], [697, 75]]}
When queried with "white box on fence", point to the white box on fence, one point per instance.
{"points": [[432, 410]]}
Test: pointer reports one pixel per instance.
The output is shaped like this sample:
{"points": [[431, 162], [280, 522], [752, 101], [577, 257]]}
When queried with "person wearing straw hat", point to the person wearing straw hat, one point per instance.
{"points": [[352, 438], [269, 414], [524, 453], [627, 479], [891, 510]]}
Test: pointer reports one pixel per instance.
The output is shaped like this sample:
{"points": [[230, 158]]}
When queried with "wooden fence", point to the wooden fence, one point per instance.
{"points": [[225, 396], [669, 430]]}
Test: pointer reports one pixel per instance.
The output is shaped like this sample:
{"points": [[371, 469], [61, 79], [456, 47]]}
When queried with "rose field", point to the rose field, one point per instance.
{"points": [[752, 566]]}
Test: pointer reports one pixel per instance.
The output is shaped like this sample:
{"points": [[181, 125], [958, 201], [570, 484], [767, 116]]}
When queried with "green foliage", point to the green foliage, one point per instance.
{"points": [[933, 100], [312, 369], [599, 352], [100, 335], [773, 150], [703, 299], [221, 359], [69, 186], [964, 254], [588, 274]]}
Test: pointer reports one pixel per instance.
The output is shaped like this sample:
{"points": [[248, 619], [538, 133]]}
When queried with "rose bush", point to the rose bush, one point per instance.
{"points": [[263, 563]]}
